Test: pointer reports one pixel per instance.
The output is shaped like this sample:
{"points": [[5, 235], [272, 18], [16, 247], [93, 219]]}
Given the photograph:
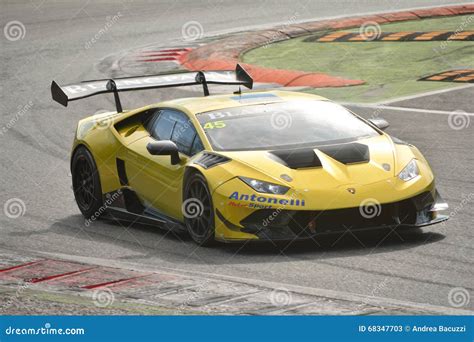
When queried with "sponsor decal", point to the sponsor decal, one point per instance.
{"points": [[146, 81], [257, 201]]}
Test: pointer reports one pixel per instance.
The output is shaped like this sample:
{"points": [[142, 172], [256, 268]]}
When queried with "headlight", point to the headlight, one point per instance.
{"points": [[265, 187], [410, 171]]}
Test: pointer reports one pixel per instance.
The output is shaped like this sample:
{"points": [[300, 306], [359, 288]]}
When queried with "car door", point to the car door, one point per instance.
{"points": [[157, 182]]}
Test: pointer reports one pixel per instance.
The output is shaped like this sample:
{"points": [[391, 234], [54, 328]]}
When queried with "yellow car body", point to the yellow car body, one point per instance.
{"points": [[317, 196]]}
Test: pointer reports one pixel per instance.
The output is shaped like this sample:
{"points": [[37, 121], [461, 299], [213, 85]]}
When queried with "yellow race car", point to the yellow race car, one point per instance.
{"points": [[270, 165]]}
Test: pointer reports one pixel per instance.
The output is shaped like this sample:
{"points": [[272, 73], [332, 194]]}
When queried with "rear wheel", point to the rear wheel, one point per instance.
{"points": [[86, 182], [198, 210]]}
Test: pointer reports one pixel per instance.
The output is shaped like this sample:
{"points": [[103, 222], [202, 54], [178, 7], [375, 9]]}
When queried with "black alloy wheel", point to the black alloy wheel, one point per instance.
{"points": [[198, 210], [86, 182]]}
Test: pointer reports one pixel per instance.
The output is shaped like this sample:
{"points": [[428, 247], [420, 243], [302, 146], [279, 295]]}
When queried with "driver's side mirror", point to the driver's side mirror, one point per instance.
{"points": [[164, 148], [380, 123]]}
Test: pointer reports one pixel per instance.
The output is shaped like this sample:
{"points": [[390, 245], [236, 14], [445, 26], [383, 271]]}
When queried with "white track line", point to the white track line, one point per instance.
{"points": [[409, 110], [429, 93]]}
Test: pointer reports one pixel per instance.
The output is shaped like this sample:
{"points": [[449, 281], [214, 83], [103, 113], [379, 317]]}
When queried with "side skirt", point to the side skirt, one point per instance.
{"points": [[124, 205]]}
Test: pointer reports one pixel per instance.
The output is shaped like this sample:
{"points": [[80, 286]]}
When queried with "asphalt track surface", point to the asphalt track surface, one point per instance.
{"points": [[421, 266]]}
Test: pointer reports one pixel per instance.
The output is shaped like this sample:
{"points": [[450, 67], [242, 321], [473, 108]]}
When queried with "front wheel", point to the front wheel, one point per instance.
{"points": [[198, 210]]}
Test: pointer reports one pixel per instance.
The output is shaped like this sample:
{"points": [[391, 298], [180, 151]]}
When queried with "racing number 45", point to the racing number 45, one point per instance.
{"points": [[214, 124]]}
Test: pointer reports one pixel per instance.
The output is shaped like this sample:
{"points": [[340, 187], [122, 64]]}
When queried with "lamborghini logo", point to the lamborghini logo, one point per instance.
{"points": [[351, 190]]}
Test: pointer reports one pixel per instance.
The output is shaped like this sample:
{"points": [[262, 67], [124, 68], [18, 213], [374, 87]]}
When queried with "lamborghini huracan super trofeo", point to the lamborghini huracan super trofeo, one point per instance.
{"points": [[270, 165]]}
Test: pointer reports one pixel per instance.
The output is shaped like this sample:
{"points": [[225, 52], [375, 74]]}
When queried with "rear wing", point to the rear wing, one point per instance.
{"points": [[72, 92]]}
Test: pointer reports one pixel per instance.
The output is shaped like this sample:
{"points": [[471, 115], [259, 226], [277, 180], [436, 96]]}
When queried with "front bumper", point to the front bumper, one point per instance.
{"points": [[285, 225]]}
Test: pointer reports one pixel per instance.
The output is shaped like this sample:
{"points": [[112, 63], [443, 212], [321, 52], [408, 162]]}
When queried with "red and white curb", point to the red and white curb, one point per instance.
{"points": [[223, 53], [187, 291]]}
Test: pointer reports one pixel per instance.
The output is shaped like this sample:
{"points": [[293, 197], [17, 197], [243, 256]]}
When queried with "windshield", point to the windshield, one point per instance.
{"points": [[282, 125]]}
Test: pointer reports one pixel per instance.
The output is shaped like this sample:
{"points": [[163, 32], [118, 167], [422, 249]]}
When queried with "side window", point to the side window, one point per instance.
{"points": [[183, 135], [163, 125], [175, 126], [197, 146]]}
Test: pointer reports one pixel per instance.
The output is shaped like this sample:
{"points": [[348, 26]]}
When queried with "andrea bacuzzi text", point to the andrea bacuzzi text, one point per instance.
{"points": [[439, 328]]}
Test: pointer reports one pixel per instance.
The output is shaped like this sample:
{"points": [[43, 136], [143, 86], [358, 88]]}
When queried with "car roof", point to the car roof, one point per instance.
{"points": [[201, 104]]}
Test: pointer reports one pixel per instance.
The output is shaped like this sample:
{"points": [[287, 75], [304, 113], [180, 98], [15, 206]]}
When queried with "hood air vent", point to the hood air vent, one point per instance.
{"points": [[347, 153], [302, 158], [296, 159]]}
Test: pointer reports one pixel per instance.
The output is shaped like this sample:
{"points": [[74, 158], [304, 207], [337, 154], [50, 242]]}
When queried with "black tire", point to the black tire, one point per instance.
{"points": [[86, 183], [198, 210]]}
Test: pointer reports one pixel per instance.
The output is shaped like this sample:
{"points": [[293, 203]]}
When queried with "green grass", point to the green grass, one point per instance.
{"points": [[390, 69]]}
